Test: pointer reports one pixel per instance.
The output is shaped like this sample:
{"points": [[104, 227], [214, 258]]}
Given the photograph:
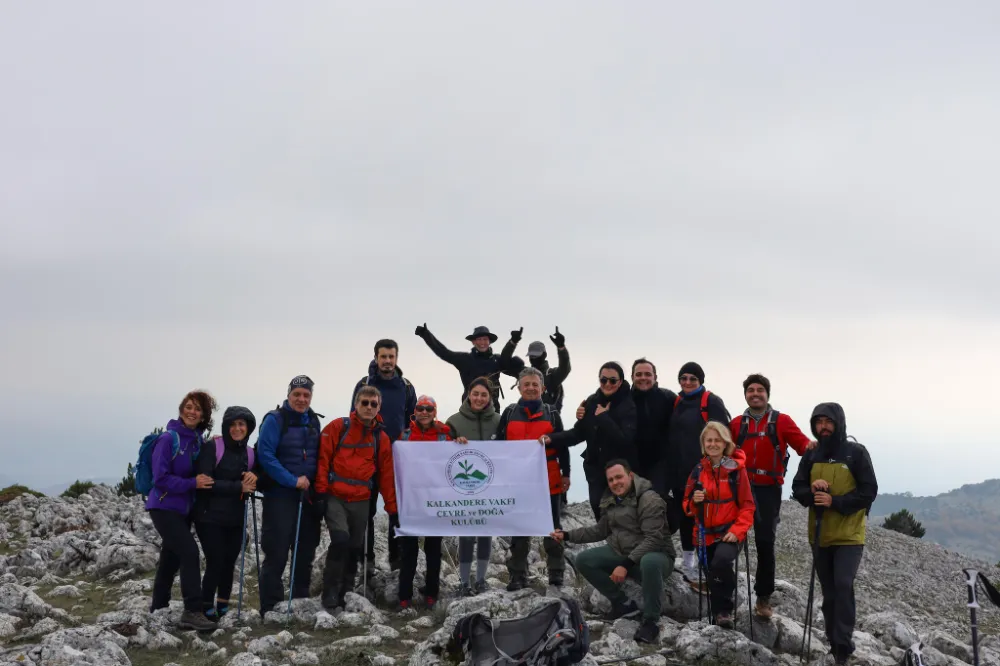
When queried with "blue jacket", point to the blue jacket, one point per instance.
{"points": [[297, 452], [399, 399], [173, 478]]}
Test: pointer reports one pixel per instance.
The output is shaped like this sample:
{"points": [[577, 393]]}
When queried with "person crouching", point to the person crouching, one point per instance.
{"points": [[719, 498]]}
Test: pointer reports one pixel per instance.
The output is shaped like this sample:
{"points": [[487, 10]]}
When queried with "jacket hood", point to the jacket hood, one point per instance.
{"points": [[641, 485], [835, 413], [467, 411], [373, 372], [232, 414]]}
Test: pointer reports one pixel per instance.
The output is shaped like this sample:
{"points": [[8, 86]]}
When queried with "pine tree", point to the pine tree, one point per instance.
{"points": [[126, 487], [78, 488], [905, 523]]}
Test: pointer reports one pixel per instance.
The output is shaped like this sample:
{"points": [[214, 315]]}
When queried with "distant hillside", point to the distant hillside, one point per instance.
{"points": [[961, 519]]}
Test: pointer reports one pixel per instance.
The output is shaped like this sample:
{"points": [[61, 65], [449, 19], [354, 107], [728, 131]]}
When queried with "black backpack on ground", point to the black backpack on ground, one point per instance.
{"points": [[551, 635]]}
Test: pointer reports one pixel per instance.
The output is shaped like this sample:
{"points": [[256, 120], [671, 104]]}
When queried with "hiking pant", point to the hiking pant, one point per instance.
{"points": [[836, 567], [346, 522], [410, 547], [393, 543], [596, 565], [597, 483], [278, 541], [177, 552], [473, 547], [722, 575], [221, 544], [765, 529], [659, 477], [520, 546], [684, 522]]}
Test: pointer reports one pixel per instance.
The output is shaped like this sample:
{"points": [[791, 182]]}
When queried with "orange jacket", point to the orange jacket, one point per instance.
{"points": [[347, 468], [721, 512], [438, 432]]}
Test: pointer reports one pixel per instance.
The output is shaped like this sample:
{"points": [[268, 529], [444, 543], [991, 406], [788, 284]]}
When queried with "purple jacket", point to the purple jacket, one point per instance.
{"points": [[173, 479]]}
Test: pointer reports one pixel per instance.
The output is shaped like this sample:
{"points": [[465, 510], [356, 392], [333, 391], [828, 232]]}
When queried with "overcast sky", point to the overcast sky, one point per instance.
{"points": [[226, 194]]}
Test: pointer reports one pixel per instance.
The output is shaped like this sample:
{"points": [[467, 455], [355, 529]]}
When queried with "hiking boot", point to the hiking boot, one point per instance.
{"points": [[212, 615], [480, 587], [724, 620], [403, 605], [430, 602], [647, 632], [622, 610], [195, 620], [517, 583], [763, 608], [464, 590]]}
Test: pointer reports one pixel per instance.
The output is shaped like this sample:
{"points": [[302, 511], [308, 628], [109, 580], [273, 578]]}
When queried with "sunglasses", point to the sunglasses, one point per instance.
{"points": [[367, 403], [688, 378], [609, 380], [423, 408]]}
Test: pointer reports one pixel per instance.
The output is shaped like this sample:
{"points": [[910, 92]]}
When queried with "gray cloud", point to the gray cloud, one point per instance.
{"points": [[227, 195]]}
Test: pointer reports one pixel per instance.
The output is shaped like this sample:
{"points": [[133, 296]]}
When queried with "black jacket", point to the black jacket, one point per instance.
{"points": [[684, 438], [653, 410], [554, 377], [610, 435], [474, 364], [222, 504]]}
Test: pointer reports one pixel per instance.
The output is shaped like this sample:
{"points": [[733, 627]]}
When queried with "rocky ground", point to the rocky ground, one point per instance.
{"points": [[75, 576]]}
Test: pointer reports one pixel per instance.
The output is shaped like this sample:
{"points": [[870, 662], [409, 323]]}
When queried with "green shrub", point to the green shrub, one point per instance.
{"points": [[12, 492], [903, 522], [78, 488], [126, 487]]}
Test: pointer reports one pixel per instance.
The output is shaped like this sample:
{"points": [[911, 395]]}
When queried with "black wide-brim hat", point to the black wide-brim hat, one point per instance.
{"points": [[479, 332]]}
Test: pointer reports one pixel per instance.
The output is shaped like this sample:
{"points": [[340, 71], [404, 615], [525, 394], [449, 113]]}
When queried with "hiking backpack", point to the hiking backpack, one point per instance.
{"points": [[553, 634], [376, 437], [264, 481], [220, 449], [770, 431], [144, 465], [704, 403]]}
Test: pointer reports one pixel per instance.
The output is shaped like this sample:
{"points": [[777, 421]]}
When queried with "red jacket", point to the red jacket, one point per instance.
{"points": [[438, 432], [721, 511], [518, 423], [346, 468], [766, 463]]}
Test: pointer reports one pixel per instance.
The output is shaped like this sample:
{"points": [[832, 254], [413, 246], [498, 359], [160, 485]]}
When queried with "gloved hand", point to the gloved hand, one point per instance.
{"points": [[515, 336], [558, 339], [421, 330], [394, 520]]}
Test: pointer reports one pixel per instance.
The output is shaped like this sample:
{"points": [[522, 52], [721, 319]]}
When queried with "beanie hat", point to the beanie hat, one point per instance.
{"points": [[426, 401], [536, 349], [758, 379], [300, 381], [692, 368]]}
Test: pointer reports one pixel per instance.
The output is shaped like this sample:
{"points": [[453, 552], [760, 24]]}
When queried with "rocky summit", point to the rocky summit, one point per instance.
{"points": [[75, 577]]}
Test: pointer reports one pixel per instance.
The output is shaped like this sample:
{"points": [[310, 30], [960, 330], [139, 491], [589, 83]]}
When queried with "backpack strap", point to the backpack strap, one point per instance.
{"points": [[704, 404], [220, 448], [770, 430], [175, 444], [376, 434]]}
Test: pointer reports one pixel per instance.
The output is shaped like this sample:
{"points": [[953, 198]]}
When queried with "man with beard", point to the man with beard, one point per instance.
{"points": [[764, 435], [480, 362], [836, 480], [399, 399]]}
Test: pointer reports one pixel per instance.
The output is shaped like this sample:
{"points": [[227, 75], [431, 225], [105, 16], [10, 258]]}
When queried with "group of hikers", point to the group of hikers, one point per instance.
{"points": [[655, 462]]}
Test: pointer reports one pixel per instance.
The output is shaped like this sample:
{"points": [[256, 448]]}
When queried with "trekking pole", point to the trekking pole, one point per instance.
{"points": [[295, 554], [746, 546], [256, 541], [807, 629], [971, 578], [736, 588], [364, 567], [243, 561]]}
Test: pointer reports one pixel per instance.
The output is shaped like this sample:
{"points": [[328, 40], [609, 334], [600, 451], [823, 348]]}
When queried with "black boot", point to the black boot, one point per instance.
{"points": [[333, 574], [347, 583]]}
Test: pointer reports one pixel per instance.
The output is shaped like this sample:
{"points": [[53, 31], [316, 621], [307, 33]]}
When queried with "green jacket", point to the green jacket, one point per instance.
{"points": [[633, 525], [474, 426], [847, 467]]}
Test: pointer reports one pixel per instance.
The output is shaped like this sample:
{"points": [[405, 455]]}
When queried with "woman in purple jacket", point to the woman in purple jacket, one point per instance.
{"points": [[170, 503]]}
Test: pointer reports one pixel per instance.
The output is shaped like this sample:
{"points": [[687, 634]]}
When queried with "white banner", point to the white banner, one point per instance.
{"points": [[493, 488]]}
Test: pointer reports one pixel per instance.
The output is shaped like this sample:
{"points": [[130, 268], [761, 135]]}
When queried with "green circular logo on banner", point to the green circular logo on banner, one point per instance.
{"points": [[469, 471]]}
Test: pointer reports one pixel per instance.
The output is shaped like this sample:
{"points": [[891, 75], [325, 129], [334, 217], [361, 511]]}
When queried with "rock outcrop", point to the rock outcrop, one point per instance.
{"points": [[75, 585]]}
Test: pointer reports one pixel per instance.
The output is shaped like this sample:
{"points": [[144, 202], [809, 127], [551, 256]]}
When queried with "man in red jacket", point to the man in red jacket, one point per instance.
{"points": [[354, 454], [764, 435]]}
